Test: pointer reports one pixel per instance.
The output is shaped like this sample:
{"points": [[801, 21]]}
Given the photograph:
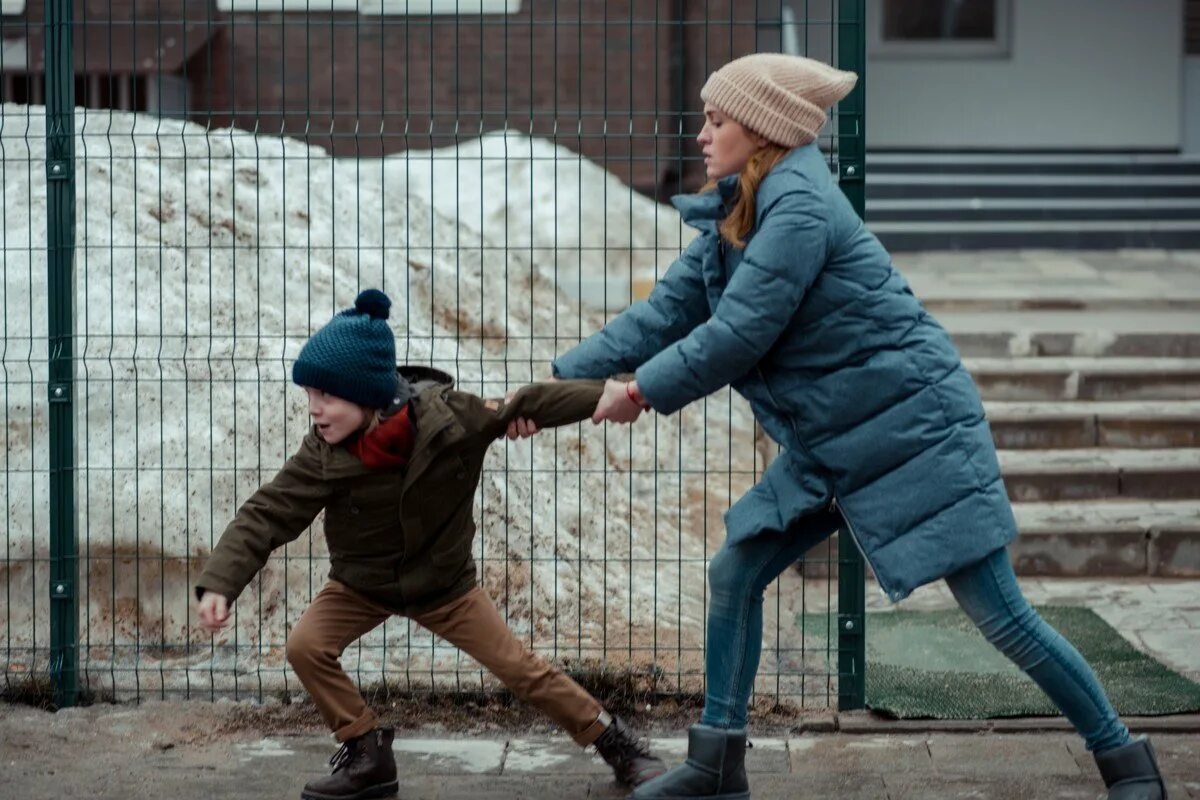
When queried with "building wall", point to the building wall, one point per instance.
{"points": [[1191, 78], [361, 85], [1099, 74]]}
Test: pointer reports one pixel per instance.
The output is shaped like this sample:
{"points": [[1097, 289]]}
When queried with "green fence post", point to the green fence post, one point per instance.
{"points": [[60, 285], [851, 137]]}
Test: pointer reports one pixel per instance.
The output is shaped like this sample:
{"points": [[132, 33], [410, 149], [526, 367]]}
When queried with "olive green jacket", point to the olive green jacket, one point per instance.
{"points": [[400, 536]]}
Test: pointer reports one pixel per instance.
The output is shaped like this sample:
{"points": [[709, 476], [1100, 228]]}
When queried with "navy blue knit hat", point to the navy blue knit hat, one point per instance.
{"points": [[354, 356]]}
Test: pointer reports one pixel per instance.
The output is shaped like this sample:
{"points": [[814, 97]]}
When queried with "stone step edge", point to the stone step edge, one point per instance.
{"points": [[1098, 459], [1016, 410], [1084, 365]]}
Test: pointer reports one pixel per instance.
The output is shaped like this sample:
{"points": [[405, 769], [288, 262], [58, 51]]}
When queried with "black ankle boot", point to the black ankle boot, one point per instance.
{"points": [[630, 758], [1131, 772], [364, 767], [715, 769]]}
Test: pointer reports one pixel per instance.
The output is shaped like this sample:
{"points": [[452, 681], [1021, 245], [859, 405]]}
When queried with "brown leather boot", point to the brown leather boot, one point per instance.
{"points": [[364, 767], [630, 758]]}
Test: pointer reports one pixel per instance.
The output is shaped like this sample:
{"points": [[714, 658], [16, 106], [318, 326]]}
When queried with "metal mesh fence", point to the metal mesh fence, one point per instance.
{"points": [[234, 173]]}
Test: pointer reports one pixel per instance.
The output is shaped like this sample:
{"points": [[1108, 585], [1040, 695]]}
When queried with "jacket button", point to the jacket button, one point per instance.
{"points": [[353, 509], [460, 475]]}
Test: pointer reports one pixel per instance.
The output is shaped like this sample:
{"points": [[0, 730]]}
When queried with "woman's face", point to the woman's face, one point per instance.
{"points": [[726, 145]]}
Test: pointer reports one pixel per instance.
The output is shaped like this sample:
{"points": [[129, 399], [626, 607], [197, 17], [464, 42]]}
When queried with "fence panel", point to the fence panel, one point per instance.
{"points": [[240, 170]]}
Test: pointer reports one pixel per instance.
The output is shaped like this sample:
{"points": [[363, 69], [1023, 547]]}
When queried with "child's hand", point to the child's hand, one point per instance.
{"points": [[522, 428], [616, 404], [214, 611]]}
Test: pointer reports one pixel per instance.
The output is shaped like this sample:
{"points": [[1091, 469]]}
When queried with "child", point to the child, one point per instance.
{"points": [[393, 458]]}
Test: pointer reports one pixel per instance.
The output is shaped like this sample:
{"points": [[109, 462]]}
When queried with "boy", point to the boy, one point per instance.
{"points": [[394, 457]]}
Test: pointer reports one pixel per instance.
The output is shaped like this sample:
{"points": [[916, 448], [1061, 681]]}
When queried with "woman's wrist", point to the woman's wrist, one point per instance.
{"points": [[635, 394]]}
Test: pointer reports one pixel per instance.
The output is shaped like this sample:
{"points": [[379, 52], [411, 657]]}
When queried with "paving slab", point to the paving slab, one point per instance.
{"points": [[1016, 787], [1040, 754], [859, 754], [1175, 648], [449, 756], [554, 757], [852, 786]]}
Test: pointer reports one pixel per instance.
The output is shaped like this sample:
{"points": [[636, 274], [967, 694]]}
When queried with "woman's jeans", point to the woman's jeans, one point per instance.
{"points": [[987, 591]]}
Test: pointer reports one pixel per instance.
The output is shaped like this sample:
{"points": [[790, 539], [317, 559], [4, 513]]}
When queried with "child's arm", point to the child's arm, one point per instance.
{"points": [[547, 405], [273, 516]]}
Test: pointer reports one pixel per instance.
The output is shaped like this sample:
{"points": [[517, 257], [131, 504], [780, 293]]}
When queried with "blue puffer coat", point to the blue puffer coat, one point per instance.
{"points": [[841, 365]]}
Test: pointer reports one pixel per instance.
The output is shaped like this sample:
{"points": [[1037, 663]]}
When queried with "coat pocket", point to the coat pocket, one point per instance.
{"points": [[363, 574], [453, 547], [365, 522]]}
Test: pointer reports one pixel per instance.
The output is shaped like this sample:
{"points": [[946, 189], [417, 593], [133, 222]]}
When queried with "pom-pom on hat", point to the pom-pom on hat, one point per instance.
{"points": [[354, 356]]}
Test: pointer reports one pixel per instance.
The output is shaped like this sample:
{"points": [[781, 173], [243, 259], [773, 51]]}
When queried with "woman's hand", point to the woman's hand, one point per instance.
{"points": [[214, 611], [618, 403]]}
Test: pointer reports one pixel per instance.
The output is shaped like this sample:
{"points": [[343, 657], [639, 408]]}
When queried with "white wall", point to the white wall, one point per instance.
{"points": [[1079, 73], [1191, 105]]}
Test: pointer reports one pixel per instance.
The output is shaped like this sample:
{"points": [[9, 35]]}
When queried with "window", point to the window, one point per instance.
{"points": [[384, 7], [933, 28]]}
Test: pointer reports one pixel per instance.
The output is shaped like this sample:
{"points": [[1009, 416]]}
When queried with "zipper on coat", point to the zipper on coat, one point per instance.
{"points": [[836, 501]]}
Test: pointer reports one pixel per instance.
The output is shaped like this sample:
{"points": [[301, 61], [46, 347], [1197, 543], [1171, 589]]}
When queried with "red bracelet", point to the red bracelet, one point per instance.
{"points": [[642, 404]]}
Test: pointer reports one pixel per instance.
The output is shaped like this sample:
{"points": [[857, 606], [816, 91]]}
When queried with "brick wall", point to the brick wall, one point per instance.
{"points": [[614, 80], [576, 72]]}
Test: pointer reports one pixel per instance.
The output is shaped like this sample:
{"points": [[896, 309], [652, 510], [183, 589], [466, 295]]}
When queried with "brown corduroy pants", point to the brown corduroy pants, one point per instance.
{"points": [[339, 615]]}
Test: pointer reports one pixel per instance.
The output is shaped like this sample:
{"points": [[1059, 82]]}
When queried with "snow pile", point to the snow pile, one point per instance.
{"points": [[205, 259]]}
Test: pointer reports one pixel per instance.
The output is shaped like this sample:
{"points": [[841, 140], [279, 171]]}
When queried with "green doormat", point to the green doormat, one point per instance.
{"points": [[937, 664]]}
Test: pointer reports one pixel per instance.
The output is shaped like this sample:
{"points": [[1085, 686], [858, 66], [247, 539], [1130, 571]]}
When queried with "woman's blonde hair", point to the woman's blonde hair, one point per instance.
{"points": [[740, 220]]}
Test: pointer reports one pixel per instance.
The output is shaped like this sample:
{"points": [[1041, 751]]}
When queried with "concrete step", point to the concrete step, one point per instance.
{"points": [[962, 201], [1030, 209], [1015, 296], [1088, 539], [1089, 423], [1033, 164], [1101, 473], [1083, 186], [1108, 538], [1084, 378], [1062, 234], [1108, 333]]}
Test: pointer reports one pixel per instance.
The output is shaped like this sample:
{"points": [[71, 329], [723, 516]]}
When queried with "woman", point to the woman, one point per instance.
{"points": [[786, 297]]}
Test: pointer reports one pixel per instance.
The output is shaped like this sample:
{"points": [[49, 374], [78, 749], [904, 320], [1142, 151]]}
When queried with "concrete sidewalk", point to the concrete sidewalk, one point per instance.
{"points": [[186, 749], [161, 750]]}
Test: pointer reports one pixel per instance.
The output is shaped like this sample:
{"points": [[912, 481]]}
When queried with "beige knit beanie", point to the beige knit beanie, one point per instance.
{"points": [[780, 97]]}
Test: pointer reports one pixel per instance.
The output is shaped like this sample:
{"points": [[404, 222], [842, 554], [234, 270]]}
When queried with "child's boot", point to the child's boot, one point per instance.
{"points": [[630, 758], [715, 769], [1131, 772], [364, 767]]}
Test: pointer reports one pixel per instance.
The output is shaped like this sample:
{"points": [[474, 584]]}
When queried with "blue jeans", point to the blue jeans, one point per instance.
{"points": [[987, 591]]}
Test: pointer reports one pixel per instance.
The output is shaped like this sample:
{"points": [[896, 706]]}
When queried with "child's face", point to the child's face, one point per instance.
{"points": [[334, 417]]}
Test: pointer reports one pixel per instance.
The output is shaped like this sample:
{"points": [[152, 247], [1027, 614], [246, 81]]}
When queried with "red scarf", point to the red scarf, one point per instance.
{"points": [[390, 444]]}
